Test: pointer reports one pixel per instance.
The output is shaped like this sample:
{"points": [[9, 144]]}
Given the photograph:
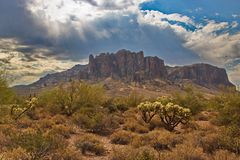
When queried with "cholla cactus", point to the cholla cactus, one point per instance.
{"points": [[149, 110], [31, 103], [172, 115], [164, 99], [19, 110]]}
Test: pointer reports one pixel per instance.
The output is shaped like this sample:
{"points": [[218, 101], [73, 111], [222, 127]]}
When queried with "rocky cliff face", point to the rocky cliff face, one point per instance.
{"points": [[134, 67], [126, 65], [202, 74]]}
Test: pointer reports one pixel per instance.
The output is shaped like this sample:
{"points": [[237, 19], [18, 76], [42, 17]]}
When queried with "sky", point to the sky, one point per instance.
{"points": [[38, 37]]}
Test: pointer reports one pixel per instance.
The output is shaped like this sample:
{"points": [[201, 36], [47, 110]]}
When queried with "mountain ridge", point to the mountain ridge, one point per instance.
{"points": [[128, 67]]}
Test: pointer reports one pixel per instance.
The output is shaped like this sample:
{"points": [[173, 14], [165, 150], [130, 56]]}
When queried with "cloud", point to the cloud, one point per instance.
{"points": [[234, 71], [24, 68], [212, 42], [64, 32]]}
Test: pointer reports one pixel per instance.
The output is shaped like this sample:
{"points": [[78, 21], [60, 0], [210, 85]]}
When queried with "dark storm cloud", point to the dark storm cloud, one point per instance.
{"points": [[17, 23], [126, 32], [123, 32]]}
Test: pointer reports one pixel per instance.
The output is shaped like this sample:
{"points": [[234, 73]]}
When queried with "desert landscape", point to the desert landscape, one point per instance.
{"points": [[122, 106], [119, 80]]}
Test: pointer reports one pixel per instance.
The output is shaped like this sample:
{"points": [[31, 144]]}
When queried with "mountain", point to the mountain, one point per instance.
{"points": [[131, 67]]}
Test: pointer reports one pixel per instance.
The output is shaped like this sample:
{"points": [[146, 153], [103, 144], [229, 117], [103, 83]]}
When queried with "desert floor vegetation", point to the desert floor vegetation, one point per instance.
{"points": [[78, 121]]}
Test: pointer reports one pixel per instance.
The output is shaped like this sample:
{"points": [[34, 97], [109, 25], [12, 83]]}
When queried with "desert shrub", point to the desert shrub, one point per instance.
{"points": [[66, 154], [67, 99], [7, 96], [192, 100], [24, 123], [59, 119], [62, 130], [16, 154], [210, 143], [95, 120], [201, 117], [133, 99], [184, 152], [159, 139], [190, 126], [90, 143], [37, 144], [145, 154], [8, 129], [123, 103], [129, 153], [5, 117], [224, 155], [5, 141], [230, 139], [229, 109], [120, 104], [133, 125], [122, 137], [44, 124]]}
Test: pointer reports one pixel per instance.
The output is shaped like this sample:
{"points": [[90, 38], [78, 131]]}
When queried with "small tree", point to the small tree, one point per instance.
{"points": [[149, 110], [6, 94], [172, 115], [69, 98]]}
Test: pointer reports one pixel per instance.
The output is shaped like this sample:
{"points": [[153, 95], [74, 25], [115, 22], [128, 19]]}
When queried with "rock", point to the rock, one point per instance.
{"points": [[127, 65], [202, 74]]}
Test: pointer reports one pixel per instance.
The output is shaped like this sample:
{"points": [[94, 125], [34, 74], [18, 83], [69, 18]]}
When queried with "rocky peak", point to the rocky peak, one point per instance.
{"points": [[127, 65]]}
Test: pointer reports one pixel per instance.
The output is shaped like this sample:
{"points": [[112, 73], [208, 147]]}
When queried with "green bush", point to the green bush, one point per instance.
{"points": [[229, 109], [67, 99], [7, 96], [95, 120], [192, 100], [230, 139]]}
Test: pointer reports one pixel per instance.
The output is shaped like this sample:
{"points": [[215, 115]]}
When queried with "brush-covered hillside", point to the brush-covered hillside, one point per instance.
{"points": [[79, 121]]}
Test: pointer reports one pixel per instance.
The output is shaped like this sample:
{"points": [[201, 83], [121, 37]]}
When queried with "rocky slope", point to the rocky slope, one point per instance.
{"points": [[201, 74], [127, 66]]}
